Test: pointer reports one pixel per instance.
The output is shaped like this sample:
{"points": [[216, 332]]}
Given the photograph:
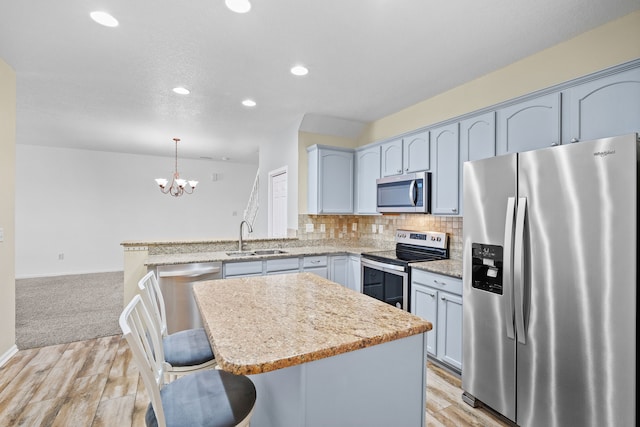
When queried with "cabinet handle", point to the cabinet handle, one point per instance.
{"points": [[575, 140], [553, 144], [406, 170], [454, 210], [315, 262], [399, 170], [439, 283]]}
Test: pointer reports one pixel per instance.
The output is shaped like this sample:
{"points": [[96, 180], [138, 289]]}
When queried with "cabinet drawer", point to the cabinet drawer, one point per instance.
{"points": [[283, 264], [242, 268], [315, 261], [436, 281]]}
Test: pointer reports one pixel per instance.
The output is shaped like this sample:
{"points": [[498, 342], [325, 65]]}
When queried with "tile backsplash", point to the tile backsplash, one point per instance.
{"points": [[378, 230]]}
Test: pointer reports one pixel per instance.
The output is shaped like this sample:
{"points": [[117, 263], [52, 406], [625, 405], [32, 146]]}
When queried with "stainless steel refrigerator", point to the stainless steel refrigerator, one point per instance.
{"points": [[550, 284]]}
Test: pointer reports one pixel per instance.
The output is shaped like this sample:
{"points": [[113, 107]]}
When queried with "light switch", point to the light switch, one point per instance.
{"points": [[354, 226], [322, 228], [374, 228], [309, 228], [380, 228], [1, 234]]}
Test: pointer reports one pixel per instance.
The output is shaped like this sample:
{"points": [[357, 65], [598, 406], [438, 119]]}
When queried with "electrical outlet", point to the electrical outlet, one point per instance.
{"points": [[61, 256], [374, 228], [354, 226], [1, 234], [380, 228], [322, 228], [309, 228]]}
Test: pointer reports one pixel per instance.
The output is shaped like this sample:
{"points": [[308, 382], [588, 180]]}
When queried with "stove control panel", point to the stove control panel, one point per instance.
{"points": [[432, 239]]}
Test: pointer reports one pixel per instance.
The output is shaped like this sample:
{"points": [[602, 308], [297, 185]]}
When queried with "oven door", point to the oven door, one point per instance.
{"points": [[385, 282]]}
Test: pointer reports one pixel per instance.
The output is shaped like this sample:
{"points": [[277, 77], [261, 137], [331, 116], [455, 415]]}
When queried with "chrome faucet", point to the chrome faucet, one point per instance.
{"points": [[240, 244]]}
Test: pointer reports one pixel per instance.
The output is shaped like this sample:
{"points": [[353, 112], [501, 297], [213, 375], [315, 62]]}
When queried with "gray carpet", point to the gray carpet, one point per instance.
{"points": [[62, 309]]}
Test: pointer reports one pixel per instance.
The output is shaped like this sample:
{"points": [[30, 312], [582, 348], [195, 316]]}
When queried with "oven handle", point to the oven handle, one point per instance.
{"points": [[380, 265]]}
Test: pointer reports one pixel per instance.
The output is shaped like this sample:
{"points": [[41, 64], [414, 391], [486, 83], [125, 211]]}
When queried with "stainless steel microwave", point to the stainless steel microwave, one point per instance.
{"points": [[410, 193]]}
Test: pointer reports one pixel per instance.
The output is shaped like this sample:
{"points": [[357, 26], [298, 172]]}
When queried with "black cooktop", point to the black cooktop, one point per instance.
{"points": [[404, 254]]}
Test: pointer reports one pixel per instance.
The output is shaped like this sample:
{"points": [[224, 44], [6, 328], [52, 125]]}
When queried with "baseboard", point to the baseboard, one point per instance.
{"points": [[8, 355], [75, 273]]}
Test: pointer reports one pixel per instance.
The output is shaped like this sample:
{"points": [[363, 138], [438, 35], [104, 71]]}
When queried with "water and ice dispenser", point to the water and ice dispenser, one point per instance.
{"points": [[486, 273]]}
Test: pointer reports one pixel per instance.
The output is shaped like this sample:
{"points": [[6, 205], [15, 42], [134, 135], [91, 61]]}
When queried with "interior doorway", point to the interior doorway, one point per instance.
{"points": [[277, 215]]}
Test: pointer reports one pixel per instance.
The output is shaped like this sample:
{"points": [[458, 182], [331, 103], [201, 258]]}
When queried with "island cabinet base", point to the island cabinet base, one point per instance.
{"points": [[383, 385]]}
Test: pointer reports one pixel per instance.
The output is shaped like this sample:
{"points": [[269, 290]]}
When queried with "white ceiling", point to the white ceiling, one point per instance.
{"points": [[83, 85]]}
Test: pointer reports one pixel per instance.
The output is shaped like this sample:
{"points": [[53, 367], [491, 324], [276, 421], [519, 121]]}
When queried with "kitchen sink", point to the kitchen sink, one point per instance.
{"points": [[269, 252], [256, 252], [241, 253]]}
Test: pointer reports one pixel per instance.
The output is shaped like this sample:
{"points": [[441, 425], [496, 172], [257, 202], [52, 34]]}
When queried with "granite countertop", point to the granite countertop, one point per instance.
{"points": [[260, 324], [221, 256], [448, 267]]}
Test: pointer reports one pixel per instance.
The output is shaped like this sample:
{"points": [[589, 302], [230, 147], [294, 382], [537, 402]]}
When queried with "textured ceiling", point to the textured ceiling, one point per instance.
{"points": [[82, 85]]}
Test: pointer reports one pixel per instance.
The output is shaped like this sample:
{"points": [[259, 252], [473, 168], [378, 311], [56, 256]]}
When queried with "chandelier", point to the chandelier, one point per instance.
{"points": [[178, 186]]}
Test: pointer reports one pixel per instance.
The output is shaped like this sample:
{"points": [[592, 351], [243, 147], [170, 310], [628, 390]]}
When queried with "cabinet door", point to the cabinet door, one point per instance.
{"points": [[605, 107], [367, 171], [354, 273], [529, 125], [445, 189], [392, 158], [424, 303], [336, 182], [477, 141], [478, 137], [450, 329], [339, 269], [320, 271], [416, 152]]}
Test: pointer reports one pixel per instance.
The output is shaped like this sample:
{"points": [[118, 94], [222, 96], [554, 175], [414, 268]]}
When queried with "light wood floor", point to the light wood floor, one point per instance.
{"points": [[95, 383]]}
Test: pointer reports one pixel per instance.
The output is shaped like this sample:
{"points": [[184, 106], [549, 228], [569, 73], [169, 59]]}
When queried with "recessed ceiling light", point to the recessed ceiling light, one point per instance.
{"points": [[238, 6], [103, 18], [225, 158], [249, 103], [300, 70], [181, 90]]}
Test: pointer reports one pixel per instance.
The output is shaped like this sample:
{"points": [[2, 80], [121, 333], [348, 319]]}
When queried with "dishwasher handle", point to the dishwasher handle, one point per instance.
{"points": [[190, 273]]}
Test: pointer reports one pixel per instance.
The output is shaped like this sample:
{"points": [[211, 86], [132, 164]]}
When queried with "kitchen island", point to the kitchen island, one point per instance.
{"points": [[318, 353]]}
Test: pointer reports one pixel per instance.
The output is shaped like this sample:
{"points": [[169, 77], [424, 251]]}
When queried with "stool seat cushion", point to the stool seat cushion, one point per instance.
{"points": [[210, 398], [187, 348]]}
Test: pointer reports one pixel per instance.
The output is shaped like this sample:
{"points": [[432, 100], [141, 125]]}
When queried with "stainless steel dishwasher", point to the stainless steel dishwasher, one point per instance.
{"points": [[176, 284]]}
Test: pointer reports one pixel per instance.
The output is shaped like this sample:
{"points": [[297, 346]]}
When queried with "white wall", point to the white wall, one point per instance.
{"points": [[279, 153], [85, 203]]}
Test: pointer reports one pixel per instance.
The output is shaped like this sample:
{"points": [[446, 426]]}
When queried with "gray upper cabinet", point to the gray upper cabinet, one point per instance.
{"points": [[367, 171], [416, 152], [392, 158], [478, 137], [477, 141], [604, 107], [330, 180], [445, 179], [529, 125], [406, 155]]}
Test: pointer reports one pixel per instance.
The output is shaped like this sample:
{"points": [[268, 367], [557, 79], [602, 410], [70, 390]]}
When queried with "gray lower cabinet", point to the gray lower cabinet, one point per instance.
{"points": [[355, 273], [316, 265], [242, 269], [438, 299], [445, 180], [605, 107], [529, 125], [282, 265]]}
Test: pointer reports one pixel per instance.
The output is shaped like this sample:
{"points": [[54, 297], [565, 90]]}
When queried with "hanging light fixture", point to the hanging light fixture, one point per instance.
{"points": [[178, 186]]}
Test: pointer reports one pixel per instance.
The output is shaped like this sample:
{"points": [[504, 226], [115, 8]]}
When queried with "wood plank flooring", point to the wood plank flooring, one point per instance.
{"points": [[95, 383]]}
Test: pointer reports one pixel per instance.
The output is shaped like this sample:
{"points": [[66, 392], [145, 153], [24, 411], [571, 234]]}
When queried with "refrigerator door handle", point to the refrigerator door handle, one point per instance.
{"points": [[518, 270], [507, 277]]}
